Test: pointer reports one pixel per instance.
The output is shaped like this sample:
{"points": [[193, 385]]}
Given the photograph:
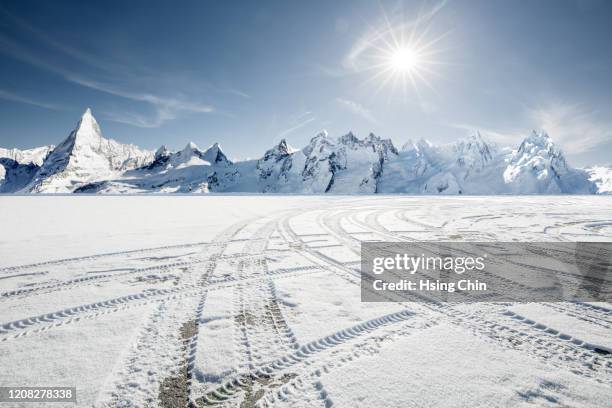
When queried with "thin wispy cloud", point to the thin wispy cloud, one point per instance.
{"points": [[357, 109], [160, 116], [237, 92], [303, 120], [13, 97], [330, 71], [164, 108], [79, 55], [574, 127], [14, 50], [577, 128]]}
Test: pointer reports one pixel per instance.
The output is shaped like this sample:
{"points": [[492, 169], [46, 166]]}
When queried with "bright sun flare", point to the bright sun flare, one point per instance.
{"points": [[400, 56], [404, 60]]}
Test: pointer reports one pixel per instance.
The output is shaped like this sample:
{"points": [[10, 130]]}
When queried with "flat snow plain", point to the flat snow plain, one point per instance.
{"points": [[245, 301]]}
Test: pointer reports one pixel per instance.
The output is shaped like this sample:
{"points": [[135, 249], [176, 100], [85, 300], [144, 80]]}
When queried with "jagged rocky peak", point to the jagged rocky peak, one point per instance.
{"points": [[318, 143], [80, 148], [87, 130], [214, 155], [189, 149], [162, 152], [323, 134], [408, 146], [474, 150], [349, 140], [85, 161], [189, 152], [283, 148], [539, 141], [476, 139], [372, 138], [423, 145], [539, 145], [278, 152], [384, 145], [160, 159], [538, 164], [321, 138]]}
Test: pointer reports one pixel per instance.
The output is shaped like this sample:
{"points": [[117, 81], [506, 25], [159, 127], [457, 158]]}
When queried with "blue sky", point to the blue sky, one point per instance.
{"points": [[247, 74]]}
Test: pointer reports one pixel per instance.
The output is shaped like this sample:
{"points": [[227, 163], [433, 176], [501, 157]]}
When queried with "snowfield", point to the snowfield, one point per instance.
{"points": [[254, 301]]}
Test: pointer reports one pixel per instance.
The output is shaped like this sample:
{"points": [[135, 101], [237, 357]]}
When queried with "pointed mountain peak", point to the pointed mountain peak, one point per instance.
{"points": [[283, 148], [540, 136], [191, 146], [349, 139], [318, 143], [475, 140], [278, 152], [214, 154], [213, 149], [86, 132], [424, 143], [473, 151], [287, 147], [319, 136], [189, 151], [88, 120], [162, 152], [537, 140], [476, 136], [409, 145], [378, 143]]}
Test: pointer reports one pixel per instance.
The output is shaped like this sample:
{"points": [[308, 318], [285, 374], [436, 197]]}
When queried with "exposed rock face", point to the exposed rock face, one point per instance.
{"points": [[86, 162], [83, 157]]}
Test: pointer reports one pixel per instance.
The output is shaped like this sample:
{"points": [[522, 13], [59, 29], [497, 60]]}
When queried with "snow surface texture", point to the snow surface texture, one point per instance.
{"points": [[254, 301], [86, 162]]}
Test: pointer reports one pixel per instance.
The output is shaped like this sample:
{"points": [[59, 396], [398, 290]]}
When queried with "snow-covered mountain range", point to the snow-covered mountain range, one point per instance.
{"points": [[86, 162]]}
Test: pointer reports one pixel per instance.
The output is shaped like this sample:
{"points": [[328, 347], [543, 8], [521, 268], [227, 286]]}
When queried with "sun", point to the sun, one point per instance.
{"points": [[401, 63], [401, 56], [404, 60]]}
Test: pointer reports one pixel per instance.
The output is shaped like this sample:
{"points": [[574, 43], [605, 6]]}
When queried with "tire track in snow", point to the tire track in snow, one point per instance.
{"points": [[277, 371], [161, 352], [261, 332], [104, 255], [309, 375], [583, 315], [545, 346], [24, 327], [97, 279], [73, 314]]}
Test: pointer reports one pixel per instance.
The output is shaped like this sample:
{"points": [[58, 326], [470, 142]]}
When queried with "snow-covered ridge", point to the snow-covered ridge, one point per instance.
{"points": [[601, 176], [86, 162], [35, 156]]}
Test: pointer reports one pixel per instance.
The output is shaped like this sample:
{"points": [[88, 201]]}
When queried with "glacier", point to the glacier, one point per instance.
{"points": [[87, 162]]}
